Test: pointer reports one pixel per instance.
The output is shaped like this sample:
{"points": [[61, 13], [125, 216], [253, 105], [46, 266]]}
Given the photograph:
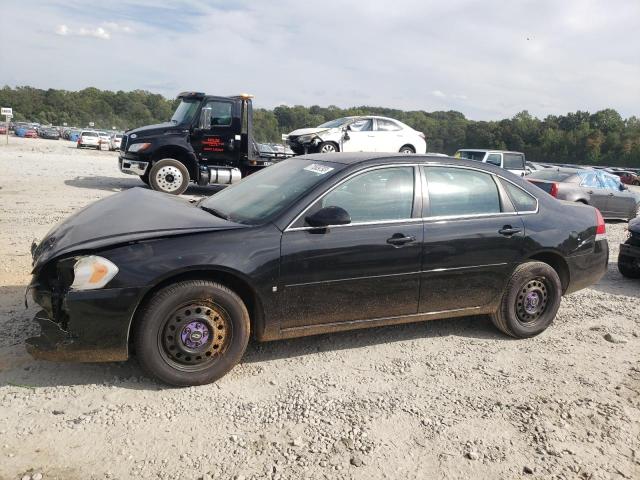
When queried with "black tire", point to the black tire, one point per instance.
{"points": [[629, 266], [169, 176], [407, 149], [530, 301], [328, 147], [161, 325]]}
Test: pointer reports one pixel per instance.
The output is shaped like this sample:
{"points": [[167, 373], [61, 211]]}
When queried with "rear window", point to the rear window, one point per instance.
{"points": [[471, 155], [89, 134], [513, 161], [461, 192], [551, 174]]}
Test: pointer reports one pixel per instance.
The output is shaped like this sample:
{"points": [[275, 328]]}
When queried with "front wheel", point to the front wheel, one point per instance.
{"points": [[407, 149], [169, 176], [530, 301], [192, 333], [327, 147], [629, 266]]}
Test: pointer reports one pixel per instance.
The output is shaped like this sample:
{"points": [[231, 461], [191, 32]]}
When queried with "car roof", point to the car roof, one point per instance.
{"points": [[487, 150]]}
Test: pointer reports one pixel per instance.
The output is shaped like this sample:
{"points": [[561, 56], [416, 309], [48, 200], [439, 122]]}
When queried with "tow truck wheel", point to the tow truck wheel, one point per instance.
{"points": [[169, 176], [191, 333], [327, 147]]}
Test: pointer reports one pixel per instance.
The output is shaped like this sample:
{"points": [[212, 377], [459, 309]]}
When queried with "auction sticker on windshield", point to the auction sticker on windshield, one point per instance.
{"points": [[317, 168]]}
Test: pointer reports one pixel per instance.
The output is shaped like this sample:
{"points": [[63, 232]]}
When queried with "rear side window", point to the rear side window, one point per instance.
{"points": [[513, 161], [470, 155], [387, 125], [495, 159], [589, 180], [461, 192], [522, 201]]}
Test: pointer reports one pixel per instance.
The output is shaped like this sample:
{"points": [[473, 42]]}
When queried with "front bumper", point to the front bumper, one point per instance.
{"points": [[92, 326], [132, 167], [629, 250]]}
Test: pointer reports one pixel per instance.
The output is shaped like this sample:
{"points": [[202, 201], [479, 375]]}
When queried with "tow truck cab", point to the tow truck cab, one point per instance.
{"points": [[208, 140]]}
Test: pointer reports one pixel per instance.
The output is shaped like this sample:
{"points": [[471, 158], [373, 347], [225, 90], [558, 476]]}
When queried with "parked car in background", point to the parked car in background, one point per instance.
{"points": [[626, 176], [358, 134], [88, 138], [534, 167], [591, 187], [515, 162], [105, 139], [74, 135], [629, 256], [114, 141], [311, 245], [49, 133], [31, 133], [3, 129]]}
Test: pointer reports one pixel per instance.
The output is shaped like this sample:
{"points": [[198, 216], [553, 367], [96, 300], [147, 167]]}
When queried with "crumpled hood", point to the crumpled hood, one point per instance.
{"points": [[307, 131], [133, 215]]}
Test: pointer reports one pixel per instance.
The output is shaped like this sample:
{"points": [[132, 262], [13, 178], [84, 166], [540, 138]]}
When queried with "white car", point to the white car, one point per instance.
{"points": [[105, 139], [114, 141], [515, 162], [358, 134], [89, 138]]}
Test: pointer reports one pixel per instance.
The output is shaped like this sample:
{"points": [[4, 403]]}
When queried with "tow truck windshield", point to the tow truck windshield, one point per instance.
{"points": [[185, 111]]}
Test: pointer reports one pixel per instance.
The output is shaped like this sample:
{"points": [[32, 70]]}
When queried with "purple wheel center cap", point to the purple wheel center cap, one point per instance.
{"points": [[194, 335], [531, 302]]}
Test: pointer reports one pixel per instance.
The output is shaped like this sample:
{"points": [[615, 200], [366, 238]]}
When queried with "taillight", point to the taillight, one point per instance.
{"points": [[601, 227], [554, 190]]}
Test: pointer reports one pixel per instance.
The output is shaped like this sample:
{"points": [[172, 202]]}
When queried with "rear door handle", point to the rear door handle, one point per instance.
{"points": [[590, 192], [508, 230], [399, 239]]}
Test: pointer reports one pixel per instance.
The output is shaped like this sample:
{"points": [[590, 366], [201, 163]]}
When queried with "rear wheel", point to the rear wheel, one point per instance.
{"points": [[169, 176], [530, 301], [192, 333], [629, 266]]}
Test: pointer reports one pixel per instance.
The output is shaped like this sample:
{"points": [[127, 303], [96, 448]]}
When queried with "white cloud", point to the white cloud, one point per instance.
{"points": [[97, 32], [438, 93], [117, 27]]}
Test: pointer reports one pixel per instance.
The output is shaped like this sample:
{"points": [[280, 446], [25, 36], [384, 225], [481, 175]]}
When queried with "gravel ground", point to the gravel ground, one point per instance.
{"points": [[442, 399]]}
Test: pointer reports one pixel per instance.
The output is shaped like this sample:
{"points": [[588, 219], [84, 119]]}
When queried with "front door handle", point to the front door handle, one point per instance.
{"points": [[590, 192], [400, 239], [508, 230], [611, 194]]}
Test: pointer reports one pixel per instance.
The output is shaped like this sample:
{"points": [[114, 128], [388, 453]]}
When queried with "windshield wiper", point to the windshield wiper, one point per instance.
{"points": [[215, 212]]}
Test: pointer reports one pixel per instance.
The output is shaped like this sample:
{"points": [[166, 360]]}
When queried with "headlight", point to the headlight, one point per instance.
{"points": [[92, 272], [305, 138], [137, 147]]}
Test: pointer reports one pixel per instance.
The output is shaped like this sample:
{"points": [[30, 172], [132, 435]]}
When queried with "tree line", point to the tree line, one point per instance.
{"points": [[600, 138]]}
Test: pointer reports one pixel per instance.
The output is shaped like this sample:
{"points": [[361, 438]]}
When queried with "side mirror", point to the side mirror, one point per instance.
{"points": [[328, 216], [623, 187], [205, 119], [345, 132]]}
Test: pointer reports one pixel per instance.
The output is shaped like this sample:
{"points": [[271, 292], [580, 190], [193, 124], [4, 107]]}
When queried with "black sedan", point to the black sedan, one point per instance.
{"points": [[311, 245]]}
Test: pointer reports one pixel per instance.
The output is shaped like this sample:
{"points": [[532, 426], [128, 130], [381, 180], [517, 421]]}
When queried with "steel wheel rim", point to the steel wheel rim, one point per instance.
{"points": [[328, 148], [195, 336], [532, 300], [169, 178]]}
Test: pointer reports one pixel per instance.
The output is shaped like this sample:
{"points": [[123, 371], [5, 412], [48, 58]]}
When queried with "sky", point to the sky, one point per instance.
{"points": [[488, 59]]}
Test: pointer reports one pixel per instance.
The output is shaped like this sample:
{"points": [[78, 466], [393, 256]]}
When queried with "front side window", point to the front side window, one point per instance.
{"points": [[513, 161], [461, 192], [522, 201], [477, 155], [220, 113], [387, 125], [363, 125], [610, 183], [378, 195], [495, 159]]}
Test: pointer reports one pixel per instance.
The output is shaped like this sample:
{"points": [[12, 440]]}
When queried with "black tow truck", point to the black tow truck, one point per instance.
{"points": [[209, 140]]}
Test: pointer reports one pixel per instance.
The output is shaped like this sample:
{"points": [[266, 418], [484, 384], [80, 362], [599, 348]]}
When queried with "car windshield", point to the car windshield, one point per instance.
{"points": [[552, 174], [338, 122], [185, 111], [267, 193]]}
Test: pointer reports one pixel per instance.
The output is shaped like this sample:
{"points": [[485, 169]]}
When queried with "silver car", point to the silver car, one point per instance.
{"points": [[589, 186]]}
